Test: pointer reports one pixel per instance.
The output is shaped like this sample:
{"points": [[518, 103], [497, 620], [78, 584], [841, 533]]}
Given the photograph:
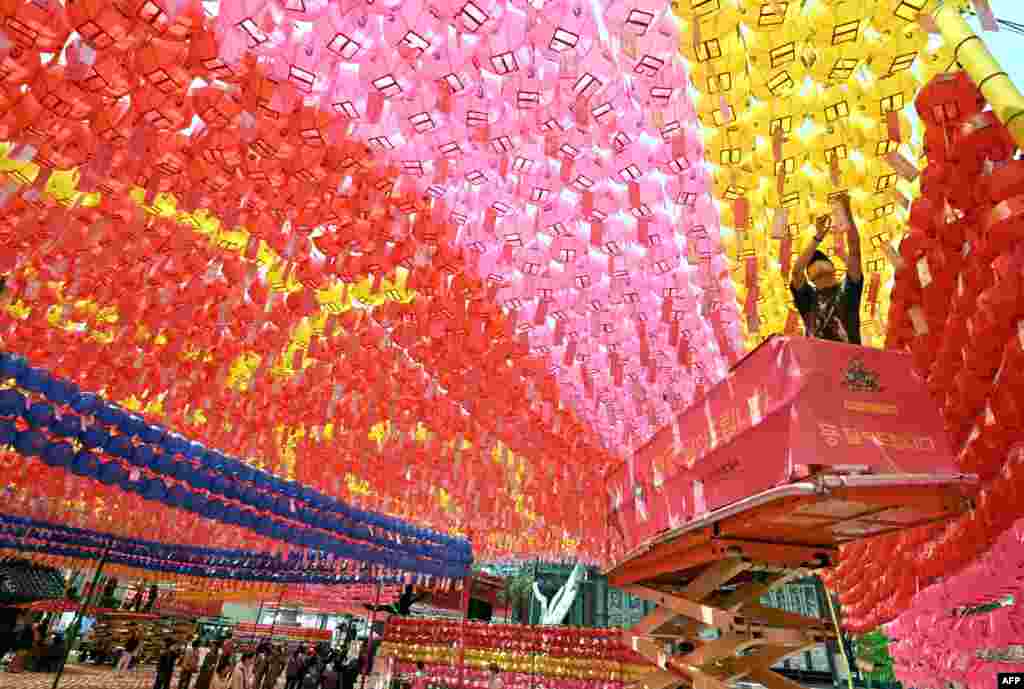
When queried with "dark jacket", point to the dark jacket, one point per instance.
{"points": [[312, 675], [275, 666], [25, 638], [331, 678], [207, 669], [349, 675], [296, 663], [165, 665]]}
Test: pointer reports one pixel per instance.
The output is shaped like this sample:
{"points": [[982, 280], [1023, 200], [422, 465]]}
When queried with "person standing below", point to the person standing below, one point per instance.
{"points": [[154, 592], [495, 682], [189, 665], [208, 668], [311, 675], [296, 664], [136, 601], [165, 666], [830, 309], [242, 678], [420, 681], [9, 637], [349, 674], [130, 647], [260, 664], [202, 649], [222, 676], [275, 666], [332, 675]]}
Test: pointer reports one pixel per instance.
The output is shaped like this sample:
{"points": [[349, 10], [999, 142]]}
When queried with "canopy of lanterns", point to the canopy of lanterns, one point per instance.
{"points": [[145, 463], [196, 201], [956, 306], [527, 656], [451, 261]]}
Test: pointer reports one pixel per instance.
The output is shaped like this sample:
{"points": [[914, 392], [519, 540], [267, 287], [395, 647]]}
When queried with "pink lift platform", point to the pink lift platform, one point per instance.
{"points": [[805, 446]]}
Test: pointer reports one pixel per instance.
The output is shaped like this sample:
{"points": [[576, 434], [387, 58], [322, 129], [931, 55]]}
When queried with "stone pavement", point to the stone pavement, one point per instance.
{"points": [[88, 677], [81, 677], [93, 677]]}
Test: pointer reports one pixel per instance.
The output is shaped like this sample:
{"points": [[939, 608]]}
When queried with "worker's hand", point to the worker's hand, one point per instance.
{"points": [[842, 213], [821, 227]]}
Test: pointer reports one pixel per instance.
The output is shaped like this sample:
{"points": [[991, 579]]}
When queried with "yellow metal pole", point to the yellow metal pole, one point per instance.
{"points": [[973, 55], [839, 639]]}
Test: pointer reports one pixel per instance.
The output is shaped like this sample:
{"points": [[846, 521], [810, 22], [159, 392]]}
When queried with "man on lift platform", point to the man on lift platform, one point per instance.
{"points": [[830, 309]]}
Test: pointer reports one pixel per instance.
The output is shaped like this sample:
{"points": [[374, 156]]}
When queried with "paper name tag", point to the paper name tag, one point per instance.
{"points": [[754, 407], [779, 221], [924, 274], [918, 320], [903, 167]]}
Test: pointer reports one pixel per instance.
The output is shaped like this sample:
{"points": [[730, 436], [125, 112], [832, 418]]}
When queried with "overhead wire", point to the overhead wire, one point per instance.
{"points": [[1016, 27]]}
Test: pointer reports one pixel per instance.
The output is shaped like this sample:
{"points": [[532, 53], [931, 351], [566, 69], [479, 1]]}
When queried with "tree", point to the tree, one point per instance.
{"points": [[874, 648], [516, 594]]}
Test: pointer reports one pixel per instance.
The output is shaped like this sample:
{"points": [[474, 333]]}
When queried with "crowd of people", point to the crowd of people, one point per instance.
{"points": [[31, 646], [221, 666]]}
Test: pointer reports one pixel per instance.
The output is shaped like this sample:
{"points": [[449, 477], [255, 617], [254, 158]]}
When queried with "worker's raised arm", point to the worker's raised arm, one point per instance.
{"points": [[797, 278], [854, 269]]}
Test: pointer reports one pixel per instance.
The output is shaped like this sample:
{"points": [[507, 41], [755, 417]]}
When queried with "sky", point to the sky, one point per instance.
{"points": [[1007, 46]]}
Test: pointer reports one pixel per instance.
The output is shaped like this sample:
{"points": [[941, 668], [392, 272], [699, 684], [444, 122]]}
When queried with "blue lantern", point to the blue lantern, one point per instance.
{"points": [[95, 437], [59, 454], [85, 403], [33, 379], [40, 414], [8, 431], [12, 403], [151, 434], [120, 446], [142, 456], [30, 443], [68, 425], [10, 365]]}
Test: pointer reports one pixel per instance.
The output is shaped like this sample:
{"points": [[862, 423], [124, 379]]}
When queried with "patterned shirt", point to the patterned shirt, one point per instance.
{"points": [[832, 313]]}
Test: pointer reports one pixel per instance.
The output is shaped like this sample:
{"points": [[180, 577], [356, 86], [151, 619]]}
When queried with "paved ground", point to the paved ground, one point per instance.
{"points": [[92, 677], [80, 677], [85, 677]]}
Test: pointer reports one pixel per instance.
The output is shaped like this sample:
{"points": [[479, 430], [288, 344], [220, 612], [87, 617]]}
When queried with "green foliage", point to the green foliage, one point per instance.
{"points": [[874, 648], [517, 593]]}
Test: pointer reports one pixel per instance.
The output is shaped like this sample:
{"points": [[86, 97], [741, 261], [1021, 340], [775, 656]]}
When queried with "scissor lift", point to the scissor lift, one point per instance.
{"points": [[710, 574]]}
